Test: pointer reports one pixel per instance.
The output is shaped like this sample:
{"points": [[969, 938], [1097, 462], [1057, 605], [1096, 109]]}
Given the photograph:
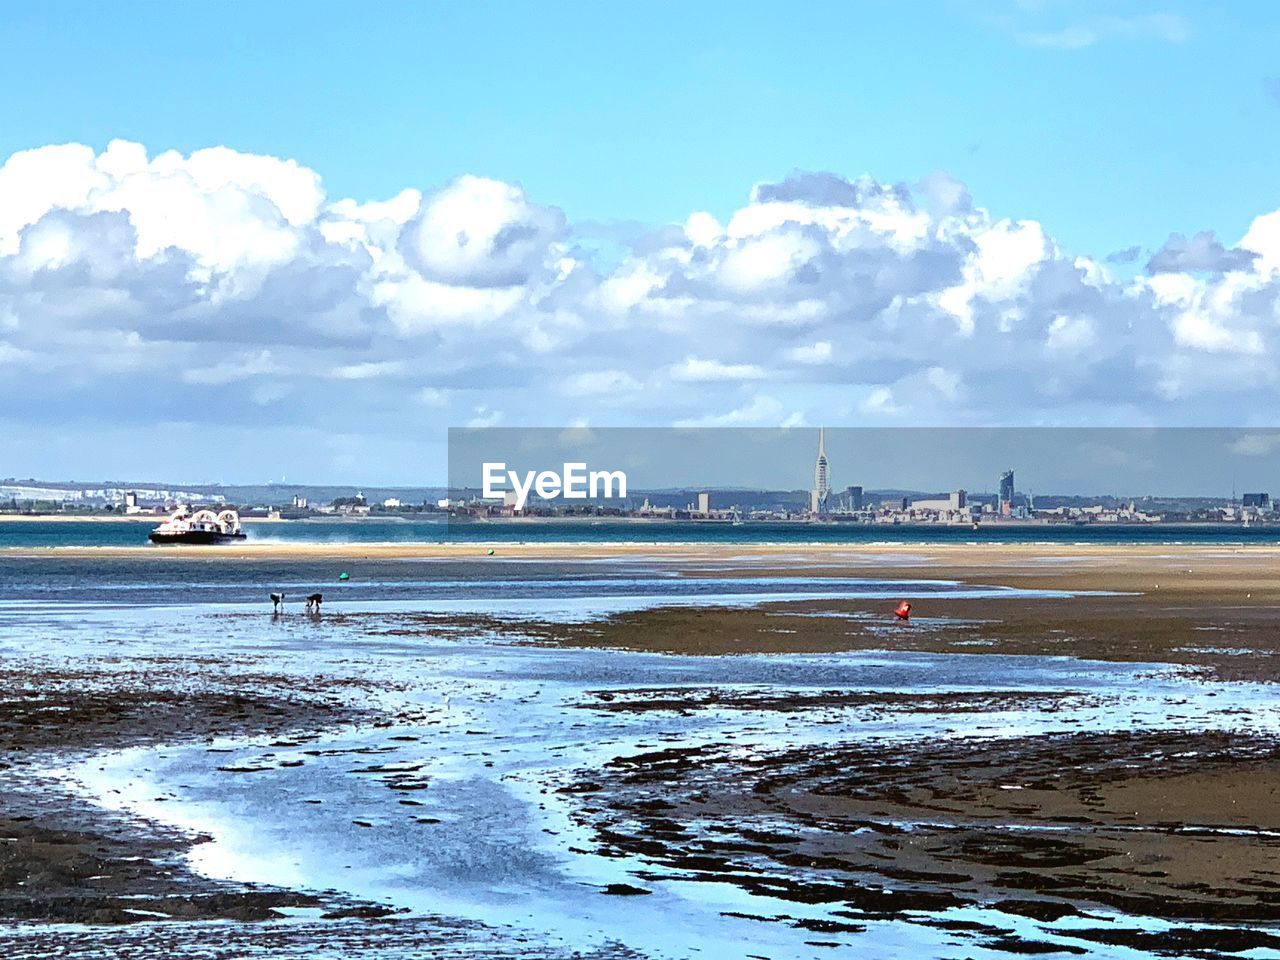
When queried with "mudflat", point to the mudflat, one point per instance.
{"points": [[1213, 608], [1178, 826], [63, 859], [1164, 838]]}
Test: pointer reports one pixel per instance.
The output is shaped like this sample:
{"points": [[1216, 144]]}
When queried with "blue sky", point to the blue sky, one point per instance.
{"points": [[321, 234], [647, 111]]}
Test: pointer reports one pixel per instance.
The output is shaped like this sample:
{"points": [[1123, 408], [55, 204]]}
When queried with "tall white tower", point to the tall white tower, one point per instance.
{"points": [[821, 475]]}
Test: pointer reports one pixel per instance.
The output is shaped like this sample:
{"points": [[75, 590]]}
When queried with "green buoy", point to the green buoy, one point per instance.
{"points": [[491, 553], [344, 576]]}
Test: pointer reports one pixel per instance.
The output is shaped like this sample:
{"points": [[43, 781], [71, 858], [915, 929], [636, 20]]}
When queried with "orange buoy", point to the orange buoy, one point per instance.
{"points": [[904, 611]]}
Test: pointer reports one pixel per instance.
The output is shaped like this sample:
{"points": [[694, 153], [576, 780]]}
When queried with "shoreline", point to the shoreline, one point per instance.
{"points": [[1073, 566], [105, 518]]}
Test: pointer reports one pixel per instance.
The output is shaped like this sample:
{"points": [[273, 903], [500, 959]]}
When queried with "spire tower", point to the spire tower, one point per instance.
{"points": [[821, 475]]}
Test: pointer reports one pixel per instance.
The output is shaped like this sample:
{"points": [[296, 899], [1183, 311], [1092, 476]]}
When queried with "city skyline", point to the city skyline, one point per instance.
{"points": [[1052, 461], [1174, 462]]}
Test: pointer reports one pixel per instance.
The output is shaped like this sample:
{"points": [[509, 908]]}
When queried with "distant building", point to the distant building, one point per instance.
{"points": [[821, 476], [926, 504], [704, 504], [854, 496], [1005, 501], [391, 503], [954, 502], [1258, 501], [53, 494]]}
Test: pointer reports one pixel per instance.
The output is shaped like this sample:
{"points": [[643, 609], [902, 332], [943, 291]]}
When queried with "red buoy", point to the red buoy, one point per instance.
{"points": [[904, 611]]}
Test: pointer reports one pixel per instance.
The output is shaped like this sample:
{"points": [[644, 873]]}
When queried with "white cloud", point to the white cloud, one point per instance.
{"points": [[1070, 334], [763, 260], [369, 370], [880, 401], [219, 282], [819, 352], [482, 233], [947, 383], [697, 370], [703, 229], [760, 411]]}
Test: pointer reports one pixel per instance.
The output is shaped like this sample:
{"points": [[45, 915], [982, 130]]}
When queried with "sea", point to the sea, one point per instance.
{"points": [[73, 533]]}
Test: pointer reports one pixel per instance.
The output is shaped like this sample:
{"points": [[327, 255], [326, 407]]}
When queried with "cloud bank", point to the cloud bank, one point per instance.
{"points": [[228, 291]]}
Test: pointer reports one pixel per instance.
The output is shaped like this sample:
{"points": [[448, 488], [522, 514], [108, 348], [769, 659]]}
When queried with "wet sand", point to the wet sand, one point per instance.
{"points": [[799, 557], [1180, 825], [64, 859], [1212, 608], [1175, 826]]}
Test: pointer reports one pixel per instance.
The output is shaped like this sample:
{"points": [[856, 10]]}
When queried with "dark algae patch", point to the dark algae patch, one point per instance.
{"points": [[1170, 825]]}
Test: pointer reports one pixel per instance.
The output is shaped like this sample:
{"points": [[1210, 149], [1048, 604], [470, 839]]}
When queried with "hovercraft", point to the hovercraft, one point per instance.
{"points": [[201, 527]]}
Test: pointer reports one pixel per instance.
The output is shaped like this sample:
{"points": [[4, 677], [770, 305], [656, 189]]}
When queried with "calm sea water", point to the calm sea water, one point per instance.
{"points": [[123, 534]]}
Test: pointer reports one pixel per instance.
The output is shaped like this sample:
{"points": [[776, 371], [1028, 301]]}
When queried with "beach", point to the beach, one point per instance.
{"points": [[1070, 749], [1079, 559]]}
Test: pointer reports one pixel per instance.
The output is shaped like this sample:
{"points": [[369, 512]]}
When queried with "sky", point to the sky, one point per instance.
{"points": [[245, 242]]}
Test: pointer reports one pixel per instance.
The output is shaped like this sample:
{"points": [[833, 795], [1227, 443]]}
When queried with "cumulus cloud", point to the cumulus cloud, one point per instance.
{"points": [[1202, 252], [206, 287], [478, 232]]}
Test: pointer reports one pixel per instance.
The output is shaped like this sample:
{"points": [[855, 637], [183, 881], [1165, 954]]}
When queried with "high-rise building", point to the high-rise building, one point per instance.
{"points": [[1005, 503], [854, 496], [821, 475], [1259, 501], [704, 504]]}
